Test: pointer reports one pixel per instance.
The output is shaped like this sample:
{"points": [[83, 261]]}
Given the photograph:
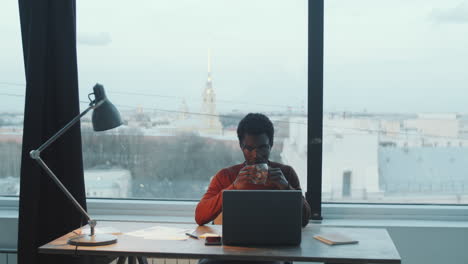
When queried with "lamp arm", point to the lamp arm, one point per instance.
{"points": [[63, 188], [36, 155], [60, 132]]}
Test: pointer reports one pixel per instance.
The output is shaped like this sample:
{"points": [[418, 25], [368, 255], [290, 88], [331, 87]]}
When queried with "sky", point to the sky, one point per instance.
{"points": [[401, 56], [396, 55]]}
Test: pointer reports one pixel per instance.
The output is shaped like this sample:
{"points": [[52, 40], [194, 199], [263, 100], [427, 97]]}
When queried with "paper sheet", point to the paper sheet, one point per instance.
{"points": [[161, 233], [205, 235]]}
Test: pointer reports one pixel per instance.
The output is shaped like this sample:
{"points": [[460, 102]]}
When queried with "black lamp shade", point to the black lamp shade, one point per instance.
{"points": [[105, 116]]}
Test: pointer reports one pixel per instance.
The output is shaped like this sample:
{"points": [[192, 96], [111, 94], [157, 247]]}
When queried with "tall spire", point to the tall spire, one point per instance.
{"points": [[211, 120], [209, 65]]}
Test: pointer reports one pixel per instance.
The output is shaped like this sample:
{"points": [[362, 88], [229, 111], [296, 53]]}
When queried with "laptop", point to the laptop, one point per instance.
{"points": [[262, 217]]}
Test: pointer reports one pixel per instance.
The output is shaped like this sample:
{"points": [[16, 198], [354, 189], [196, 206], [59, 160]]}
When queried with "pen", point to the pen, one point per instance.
{"points": [[191, 235]]}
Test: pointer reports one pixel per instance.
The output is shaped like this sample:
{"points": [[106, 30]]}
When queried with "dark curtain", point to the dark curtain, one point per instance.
{"points": [[48, 30]]}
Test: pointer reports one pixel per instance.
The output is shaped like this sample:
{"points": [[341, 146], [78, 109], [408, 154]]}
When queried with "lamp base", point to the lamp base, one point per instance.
{"points": [[91, 241]]}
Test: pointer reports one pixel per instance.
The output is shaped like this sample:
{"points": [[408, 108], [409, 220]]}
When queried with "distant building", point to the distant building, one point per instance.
{"points": [[9, 186], [441, 125], [206, 124], [350, 162], [109, 183], [211, 123], [183, 110], [294, 152], [423, 171], [386, 158]]}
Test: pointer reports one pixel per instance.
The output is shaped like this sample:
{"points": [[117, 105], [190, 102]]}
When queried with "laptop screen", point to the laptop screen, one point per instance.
{"points": [[262, 217]]}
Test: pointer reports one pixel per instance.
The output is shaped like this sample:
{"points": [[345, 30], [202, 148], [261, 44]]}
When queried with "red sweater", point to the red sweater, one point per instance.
{"points": [[210, 205]]}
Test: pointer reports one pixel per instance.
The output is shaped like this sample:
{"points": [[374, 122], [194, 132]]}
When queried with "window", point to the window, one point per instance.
{"points": [[394, 99], [182, 75], [12, 88]]}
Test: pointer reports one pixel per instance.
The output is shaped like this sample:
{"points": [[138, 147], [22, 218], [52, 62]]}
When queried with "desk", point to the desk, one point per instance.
{"points": [[375, 246]]}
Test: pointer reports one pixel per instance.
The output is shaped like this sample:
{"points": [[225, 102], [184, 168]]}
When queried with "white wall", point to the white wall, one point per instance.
{"points": [[431, 245]]}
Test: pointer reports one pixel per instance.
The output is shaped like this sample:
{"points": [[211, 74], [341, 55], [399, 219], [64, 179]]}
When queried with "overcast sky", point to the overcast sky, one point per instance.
{"points": [[380, 55]]}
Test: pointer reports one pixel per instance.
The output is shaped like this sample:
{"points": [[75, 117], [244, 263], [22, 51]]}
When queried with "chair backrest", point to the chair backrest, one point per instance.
{"points": [[219, 219]]}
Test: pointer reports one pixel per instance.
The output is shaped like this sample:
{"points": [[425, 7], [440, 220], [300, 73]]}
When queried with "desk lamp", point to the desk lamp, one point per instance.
{"points": [[105, 116]]}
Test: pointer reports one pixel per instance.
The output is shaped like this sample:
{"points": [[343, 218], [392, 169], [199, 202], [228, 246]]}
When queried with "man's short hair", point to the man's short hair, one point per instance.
{"points": [[255, 124]]}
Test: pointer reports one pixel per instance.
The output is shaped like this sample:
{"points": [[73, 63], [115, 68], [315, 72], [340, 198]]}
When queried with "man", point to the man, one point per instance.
{"points": [[255, 133]]}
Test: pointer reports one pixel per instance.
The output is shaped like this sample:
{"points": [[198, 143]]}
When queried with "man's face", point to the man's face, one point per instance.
{"points": [[256, 148]]}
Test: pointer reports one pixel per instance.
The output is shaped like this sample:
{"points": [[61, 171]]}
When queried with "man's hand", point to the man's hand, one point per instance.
{"points": [[276, 178], [244, 178]]}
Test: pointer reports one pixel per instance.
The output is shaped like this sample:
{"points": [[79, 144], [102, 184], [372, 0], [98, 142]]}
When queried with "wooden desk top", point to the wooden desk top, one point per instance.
{"points": [[375, 246]]}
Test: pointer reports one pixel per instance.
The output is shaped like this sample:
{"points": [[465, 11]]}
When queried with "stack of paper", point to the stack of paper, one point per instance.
{"points": [[205, 235], [335, 239], [161, 233]]}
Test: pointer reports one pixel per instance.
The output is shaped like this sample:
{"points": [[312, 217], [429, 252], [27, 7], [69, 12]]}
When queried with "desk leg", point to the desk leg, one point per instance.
{"points": [[131, 260], [142, 260], [121, 260]]}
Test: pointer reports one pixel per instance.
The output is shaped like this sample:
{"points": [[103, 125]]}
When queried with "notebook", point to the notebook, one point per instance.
{"points": [[262, 217], [335, 239]]}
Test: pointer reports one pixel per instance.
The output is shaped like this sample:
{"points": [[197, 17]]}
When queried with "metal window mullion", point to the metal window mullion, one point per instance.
{"points": [[315, 107]]}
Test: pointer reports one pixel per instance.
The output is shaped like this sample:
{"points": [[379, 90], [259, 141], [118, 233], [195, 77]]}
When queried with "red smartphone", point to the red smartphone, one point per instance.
{"points": [[213, 241]]}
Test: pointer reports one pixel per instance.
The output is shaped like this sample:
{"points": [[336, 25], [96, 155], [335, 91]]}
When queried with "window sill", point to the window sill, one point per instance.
{"points": [[369, 215], [393, 223]]}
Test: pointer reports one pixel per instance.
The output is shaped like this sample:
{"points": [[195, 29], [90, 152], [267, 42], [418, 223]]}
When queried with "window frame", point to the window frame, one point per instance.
{"points": [[315, 107], [172, 210]]}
